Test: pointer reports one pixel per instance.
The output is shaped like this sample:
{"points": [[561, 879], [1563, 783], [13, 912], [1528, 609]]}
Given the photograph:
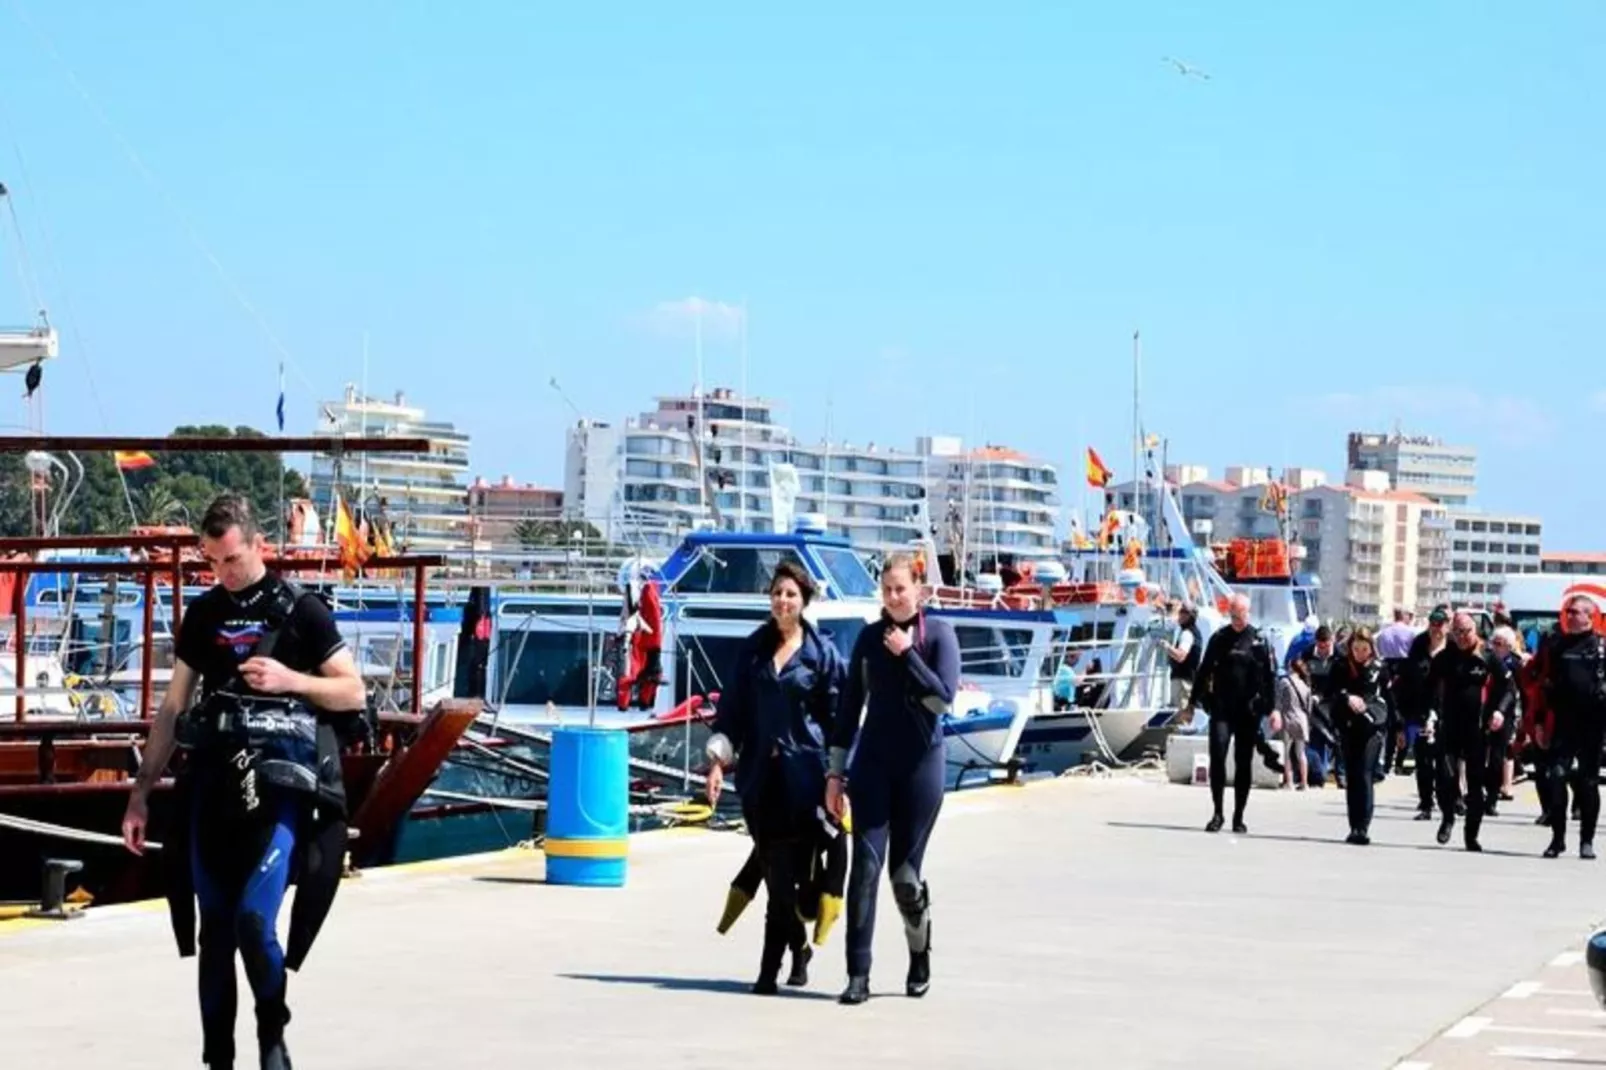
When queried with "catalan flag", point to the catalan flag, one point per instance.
{"points": [[132, 460], [1098, 474]]}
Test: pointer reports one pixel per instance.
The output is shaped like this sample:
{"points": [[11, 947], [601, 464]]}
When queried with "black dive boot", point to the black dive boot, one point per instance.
{"points": [[801, 955], [271, 1020]]}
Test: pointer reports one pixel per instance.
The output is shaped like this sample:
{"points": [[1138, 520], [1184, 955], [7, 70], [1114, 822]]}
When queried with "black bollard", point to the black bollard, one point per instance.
{"points": [[53, 897]]}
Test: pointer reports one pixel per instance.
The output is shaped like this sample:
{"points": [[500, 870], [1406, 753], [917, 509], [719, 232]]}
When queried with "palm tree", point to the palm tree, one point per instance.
{"points": [[160, 506]]}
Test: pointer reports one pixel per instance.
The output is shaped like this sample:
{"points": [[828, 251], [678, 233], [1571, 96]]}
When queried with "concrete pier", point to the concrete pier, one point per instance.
{"points": [[1086, 922]]}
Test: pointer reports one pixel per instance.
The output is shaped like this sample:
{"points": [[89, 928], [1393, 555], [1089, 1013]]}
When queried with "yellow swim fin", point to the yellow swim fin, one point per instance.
{"points": [[736, 901], [830, 911]]}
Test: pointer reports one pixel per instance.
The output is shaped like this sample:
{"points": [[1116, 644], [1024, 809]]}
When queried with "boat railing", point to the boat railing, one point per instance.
{"points": [[153, 556]]}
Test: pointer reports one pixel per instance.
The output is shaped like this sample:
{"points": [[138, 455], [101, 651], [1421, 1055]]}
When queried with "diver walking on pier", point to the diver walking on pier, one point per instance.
{"points": [[1237, 679], [775, 715], [1360, 710], [902, 677], [261, 790], [1573, 676], [1476, 696]]}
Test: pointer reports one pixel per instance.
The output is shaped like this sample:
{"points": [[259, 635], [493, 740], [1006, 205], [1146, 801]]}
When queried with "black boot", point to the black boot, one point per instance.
{"points": [[272, 1017], [800, 966], [919, 980], [857, 992]]}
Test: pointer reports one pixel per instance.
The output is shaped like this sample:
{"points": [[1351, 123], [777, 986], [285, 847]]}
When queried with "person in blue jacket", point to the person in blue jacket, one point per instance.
{"points": [[902, 678], [774, 715]]}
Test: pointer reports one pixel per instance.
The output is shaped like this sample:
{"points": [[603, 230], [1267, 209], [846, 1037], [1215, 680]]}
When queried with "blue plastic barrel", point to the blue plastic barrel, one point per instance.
{"points": [[588, 807]]}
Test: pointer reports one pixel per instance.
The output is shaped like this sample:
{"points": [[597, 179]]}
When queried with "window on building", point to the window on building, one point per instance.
{"points": [[1480, 547], [1459, 544]]}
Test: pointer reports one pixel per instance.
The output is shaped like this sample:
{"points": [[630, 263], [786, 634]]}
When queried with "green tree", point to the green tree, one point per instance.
{"points": [[535, 534], [176, 487]]}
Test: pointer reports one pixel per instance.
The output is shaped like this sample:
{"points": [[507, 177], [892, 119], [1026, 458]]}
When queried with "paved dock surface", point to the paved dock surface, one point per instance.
{"points": [[1087, 921]]}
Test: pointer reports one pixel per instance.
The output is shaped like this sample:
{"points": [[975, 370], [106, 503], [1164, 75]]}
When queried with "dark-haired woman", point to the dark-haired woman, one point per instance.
{"points": [[773, 715], [902, 678], [1360, 713]]}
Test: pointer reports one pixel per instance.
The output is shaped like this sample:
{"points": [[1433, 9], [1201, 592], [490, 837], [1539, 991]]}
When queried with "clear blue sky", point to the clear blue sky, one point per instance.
{"points": [[944, 223]]}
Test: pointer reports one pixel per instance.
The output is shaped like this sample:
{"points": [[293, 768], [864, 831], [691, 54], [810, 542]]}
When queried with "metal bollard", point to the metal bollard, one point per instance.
{"points": [[53, 897]]}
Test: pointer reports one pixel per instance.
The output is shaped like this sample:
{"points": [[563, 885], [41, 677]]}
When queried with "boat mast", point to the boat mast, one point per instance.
{"points": [[702, 483], [739, 470]]}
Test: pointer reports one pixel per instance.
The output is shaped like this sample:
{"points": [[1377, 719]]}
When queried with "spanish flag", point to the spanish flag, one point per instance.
{"points": [[347, 541], [132, 460], [1097, 474]]}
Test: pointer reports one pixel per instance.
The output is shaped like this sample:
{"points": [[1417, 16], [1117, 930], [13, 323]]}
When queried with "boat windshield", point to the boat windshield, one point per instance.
{"points": [[735, 569], [848, 576], [843, 632]]}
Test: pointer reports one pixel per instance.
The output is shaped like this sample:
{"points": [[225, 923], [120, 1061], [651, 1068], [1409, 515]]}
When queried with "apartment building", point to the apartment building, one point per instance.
{"points": [[1486, 548], [499, 508], [642, 481], [423, 494], [1573, 564], [1441, 473], [1372, 548]]}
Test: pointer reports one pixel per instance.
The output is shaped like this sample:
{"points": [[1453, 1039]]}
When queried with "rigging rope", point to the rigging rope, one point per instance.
{"points": [[64, 832]]}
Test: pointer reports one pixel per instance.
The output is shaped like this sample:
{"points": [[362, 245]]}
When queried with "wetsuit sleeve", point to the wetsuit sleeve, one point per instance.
{"points": [[1268, 680], [1502, 693], [733, 715], [850, 703], [828, 690], [1207, 667], [317, 628], [939, 678]]}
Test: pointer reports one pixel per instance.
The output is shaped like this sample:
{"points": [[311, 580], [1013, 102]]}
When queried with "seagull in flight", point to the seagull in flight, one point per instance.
{"points": [[1186, 70]]}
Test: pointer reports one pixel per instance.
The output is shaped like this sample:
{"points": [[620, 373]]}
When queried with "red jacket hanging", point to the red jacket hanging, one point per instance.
{"points": [[644, 631]]}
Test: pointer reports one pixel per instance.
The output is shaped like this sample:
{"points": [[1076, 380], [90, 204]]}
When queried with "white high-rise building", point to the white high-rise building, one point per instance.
{"points": [[424, 495], [1485, 548], [640, 482]]}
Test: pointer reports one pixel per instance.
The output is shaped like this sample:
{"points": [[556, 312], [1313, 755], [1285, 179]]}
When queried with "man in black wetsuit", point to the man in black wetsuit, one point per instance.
{"points": [[1475, 698], [1237, 677], [1415, 701], [269, 659], [1574, 680]]}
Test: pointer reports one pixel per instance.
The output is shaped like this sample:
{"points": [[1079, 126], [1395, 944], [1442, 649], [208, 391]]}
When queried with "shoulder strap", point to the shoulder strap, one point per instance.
{"points": [[281, 604]]}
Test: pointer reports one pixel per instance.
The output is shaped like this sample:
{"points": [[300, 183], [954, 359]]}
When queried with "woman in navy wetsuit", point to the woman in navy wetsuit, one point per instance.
{"points": [[775, 713], [902, 677]]}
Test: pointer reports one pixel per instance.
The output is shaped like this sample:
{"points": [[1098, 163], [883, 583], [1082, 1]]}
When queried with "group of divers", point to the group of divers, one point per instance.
{"points": [[265, 696], [1464, 708]]}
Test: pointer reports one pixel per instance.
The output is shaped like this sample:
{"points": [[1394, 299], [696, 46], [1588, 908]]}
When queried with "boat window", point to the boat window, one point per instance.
{"points": [[48, 597], [1056, 653], [735, 569], [702, 662], [843, 632], [849, 578], [549, 667], [1304, 603], [982, 652]]}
